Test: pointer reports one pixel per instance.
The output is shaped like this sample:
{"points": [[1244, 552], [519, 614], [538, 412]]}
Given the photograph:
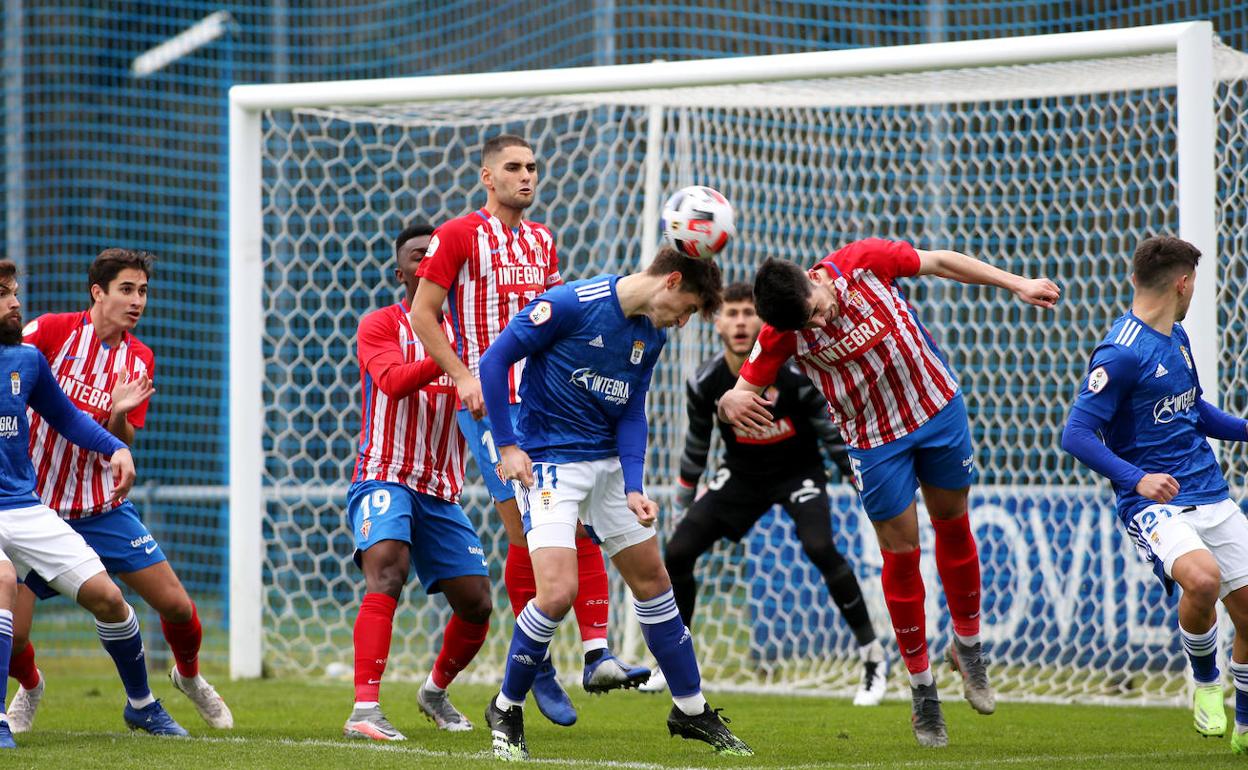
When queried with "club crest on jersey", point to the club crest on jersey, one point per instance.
{"points": [[857, 300], [639, 349], [540, 313], [15, 383], [1187, 357], [1098, 379]]}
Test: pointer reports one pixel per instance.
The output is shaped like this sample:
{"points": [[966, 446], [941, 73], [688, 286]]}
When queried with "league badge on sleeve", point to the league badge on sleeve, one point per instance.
{"points": [[540, 313], [639, 349], [1187, 357], [1098, 379]]}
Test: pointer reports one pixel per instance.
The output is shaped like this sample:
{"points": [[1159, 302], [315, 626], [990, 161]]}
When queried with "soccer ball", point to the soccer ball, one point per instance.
{"points": [[697, 221]]}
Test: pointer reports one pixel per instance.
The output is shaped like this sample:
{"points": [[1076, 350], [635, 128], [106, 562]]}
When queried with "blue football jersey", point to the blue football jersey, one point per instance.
{"points": [[1144, 385], [587, 362]]}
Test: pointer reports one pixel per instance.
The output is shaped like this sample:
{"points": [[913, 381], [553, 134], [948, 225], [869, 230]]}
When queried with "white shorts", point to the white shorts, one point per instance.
{"points": [[591, 491], [37, 539], [1170, 531]]}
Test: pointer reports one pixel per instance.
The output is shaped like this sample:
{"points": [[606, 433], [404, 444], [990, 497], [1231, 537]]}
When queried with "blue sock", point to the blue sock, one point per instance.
{"points": [[6, 647], [124, 643], [529, 643], [1202, 651], [670, 643], [1240, 672]]}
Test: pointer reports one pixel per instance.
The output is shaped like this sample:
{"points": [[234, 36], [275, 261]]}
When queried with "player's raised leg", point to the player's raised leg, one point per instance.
{"points": [[22, 666], [904, 594], [957, 561]]}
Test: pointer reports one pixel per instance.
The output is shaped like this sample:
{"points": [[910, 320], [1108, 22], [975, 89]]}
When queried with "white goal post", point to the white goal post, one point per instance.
{"points": [[781, 135]]}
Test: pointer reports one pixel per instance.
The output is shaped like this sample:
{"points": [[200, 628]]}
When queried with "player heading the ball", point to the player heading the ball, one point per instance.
{"points": [[577, 454], [902, 416]]}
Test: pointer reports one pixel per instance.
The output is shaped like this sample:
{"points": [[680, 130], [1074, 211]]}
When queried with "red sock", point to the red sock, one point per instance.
{"points": [[518, 578], [957, 560], [373, 627], [460, 642], [591, 604], [22, 667], [184, 640], [903, 593]]}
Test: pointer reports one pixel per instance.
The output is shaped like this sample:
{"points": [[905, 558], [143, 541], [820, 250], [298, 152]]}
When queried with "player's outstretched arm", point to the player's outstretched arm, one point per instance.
{"points": [[959, 267], [1217, 424], [426, 307]]}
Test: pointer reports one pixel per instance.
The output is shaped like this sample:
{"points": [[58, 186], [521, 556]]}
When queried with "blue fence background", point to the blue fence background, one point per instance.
{"points": [[95, 157]]}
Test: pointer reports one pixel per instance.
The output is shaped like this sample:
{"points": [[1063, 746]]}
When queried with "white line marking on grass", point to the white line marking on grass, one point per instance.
{"points": [[485, 755]]}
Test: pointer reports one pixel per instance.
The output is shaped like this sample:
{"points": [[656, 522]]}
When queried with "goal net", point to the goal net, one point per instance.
{"points": [[1054, 168]]}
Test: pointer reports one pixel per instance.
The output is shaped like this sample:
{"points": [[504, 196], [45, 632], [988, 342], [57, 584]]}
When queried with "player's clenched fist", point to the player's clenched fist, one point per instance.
{"points": [[1040, 292], [645, 509], [1160, 487]]}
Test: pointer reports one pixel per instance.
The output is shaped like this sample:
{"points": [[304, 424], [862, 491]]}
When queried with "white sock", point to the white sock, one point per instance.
{"points": [[504, 703], [143, 702], [967, 641], [429, 685], [593, 644], [690, 705], [922, 679], [367, 704]]}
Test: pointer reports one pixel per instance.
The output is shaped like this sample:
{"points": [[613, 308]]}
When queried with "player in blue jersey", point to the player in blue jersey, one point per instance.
{"points": [[578, 454], [33, 538], [1140, 421]]}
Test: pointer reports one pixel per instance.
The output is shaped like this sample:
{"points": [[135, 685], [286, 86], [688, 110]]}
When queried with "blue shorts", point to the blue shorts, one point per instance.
{"points": [[442, 541], [119, 537], [939, 454], [480, 437]]}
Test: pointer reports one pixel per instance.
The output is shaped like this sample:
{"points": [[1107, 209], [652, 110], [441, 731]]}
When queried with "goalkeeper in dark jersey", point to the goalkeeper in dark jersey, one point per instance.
{"points": [[783, 467]]}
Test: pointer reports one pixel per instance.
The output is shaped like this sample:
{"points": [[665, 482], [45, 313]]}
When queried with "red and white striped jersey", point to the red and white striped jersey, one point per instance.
{"points": [[490, 272], [408, 433], [875, 363], [71, 480]]}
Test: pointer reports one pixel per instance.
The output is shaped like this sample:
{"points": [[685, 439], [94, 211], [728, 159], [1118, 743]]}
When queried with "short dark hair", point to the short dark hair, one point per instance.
{"points": [[697, 276], [739, 291], [8, 270], [1161, 258], [413, 230], [110, 262], [782, 294], [497, 144]]}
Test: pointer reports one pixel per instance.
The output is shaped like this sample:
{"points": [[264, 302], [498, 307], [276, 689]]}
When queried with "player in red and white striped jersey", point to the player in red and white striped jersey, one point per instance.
{"points": [[108, 373], [404, 510], [903, 419], [485, 267]]}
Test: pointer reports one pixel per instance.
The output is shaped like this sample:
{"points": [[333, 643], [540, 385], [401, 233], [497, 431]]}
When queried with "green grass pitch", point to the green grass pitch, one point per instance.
{"points": [[291, 724]]}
